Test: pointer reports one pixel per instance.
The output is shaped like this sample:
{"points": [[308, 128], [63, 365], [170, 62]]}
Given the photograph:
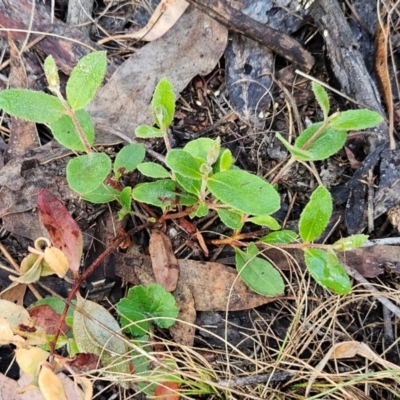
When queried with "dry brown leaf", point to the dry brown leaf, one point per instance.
{"points": [[349, 349], [183, 330], [163, 18], [164, 262], [191, 47], [51, 385], [214, 286], [15, 293], [23, 134], [30, 360]]}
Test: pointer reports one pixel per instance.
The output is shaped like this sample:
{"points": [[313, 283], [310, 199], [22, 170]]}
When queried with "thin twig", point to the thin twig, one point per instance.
{"points": [[360, 279]]}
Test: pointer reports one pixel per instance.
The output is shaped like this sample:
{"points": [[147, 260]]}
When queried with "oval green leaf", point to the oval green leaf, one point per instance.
{"points": [[164, 193], [148, 132], [200, 147], [183, 163], [143, 303], [258, 274], [350, 242], [351, 120], [190, 185], [245, 192], [231, 218], [102, 194], [280, 237], [65, 132], [86, 173], [128, 158], [329, 142], [85, 79], [164, 100], [325, 268], [298, 154], [265, 220], [316, 215], [322, 97], [31, 105], [153, 170]]}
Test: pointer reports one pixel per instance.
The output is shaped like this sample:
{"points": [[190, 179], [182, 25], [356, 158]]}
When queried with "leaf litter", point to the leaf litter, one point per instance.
{"points": [[371, 268]]}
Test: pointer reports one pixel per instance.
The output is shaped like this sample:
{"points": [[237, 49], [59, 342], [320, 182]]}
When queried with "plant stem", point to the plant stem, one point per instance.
{"points": [[282, 170], [71, 113], [78, 282]]}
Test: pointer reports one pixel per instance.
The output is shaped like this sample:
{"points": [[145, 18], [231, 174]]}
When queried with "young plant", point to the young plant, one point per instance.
{"points": [[201, 176]]}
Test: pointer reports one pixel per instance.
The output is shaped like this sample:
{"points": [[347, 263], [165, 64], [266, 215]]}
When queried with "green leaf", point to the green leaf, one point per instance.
{"points": [[352, 120], [145, 303], [190, 185], [65, 132], [126, 198], [280, 237], [325, 268], [316, 215], [297, 153], [55, 303], [257, 273], [329, 142], [51, 72], [265, 220], [92, 338], [148, 132], [199, 148], [104, 193], [128, 159], [164, 100], [31, 105], [86, 173], [85, 79], [245, 192], [153, 170], [183, 163], [201, 211], [231, 218], [322, 97], [225, 160], [164, 193], [349, 243]]}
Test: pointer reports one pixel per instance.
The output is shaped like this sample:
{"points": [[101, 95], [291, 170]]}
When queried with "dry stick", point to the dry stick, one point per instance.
{"points": [[256, 379], [385, 301], [371, 196], [236, 21]]}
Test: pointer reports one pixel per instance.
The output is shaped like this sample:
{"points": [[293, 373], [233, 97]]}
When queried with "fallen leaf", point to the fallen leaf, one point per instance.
{"points": [[30, 360], [214, 286], [15, 293], [45, 317], [183, 330], [163, 18], [23, 134], [63, 230], [167, 391], [51, 385], [348, 349], [164, 262], [193, 46]]}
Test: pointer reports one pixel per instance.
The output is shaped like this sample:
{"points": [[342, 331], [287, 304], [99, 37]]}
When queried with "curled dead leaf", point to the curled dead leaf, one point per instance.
{"points": [[56, 260], [30, 360], [50, 384]]}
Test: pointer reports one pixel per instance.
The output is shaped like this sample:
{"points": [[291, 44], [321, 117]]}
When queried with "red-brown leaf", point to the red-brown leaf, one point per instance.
{"points": [[64, 232]]}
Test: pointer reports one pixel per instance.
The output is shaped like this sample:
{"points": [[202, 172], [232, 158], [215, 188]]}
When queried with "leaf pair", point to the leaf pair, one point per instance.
{"points": [[323, 139], [324, 265]]}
